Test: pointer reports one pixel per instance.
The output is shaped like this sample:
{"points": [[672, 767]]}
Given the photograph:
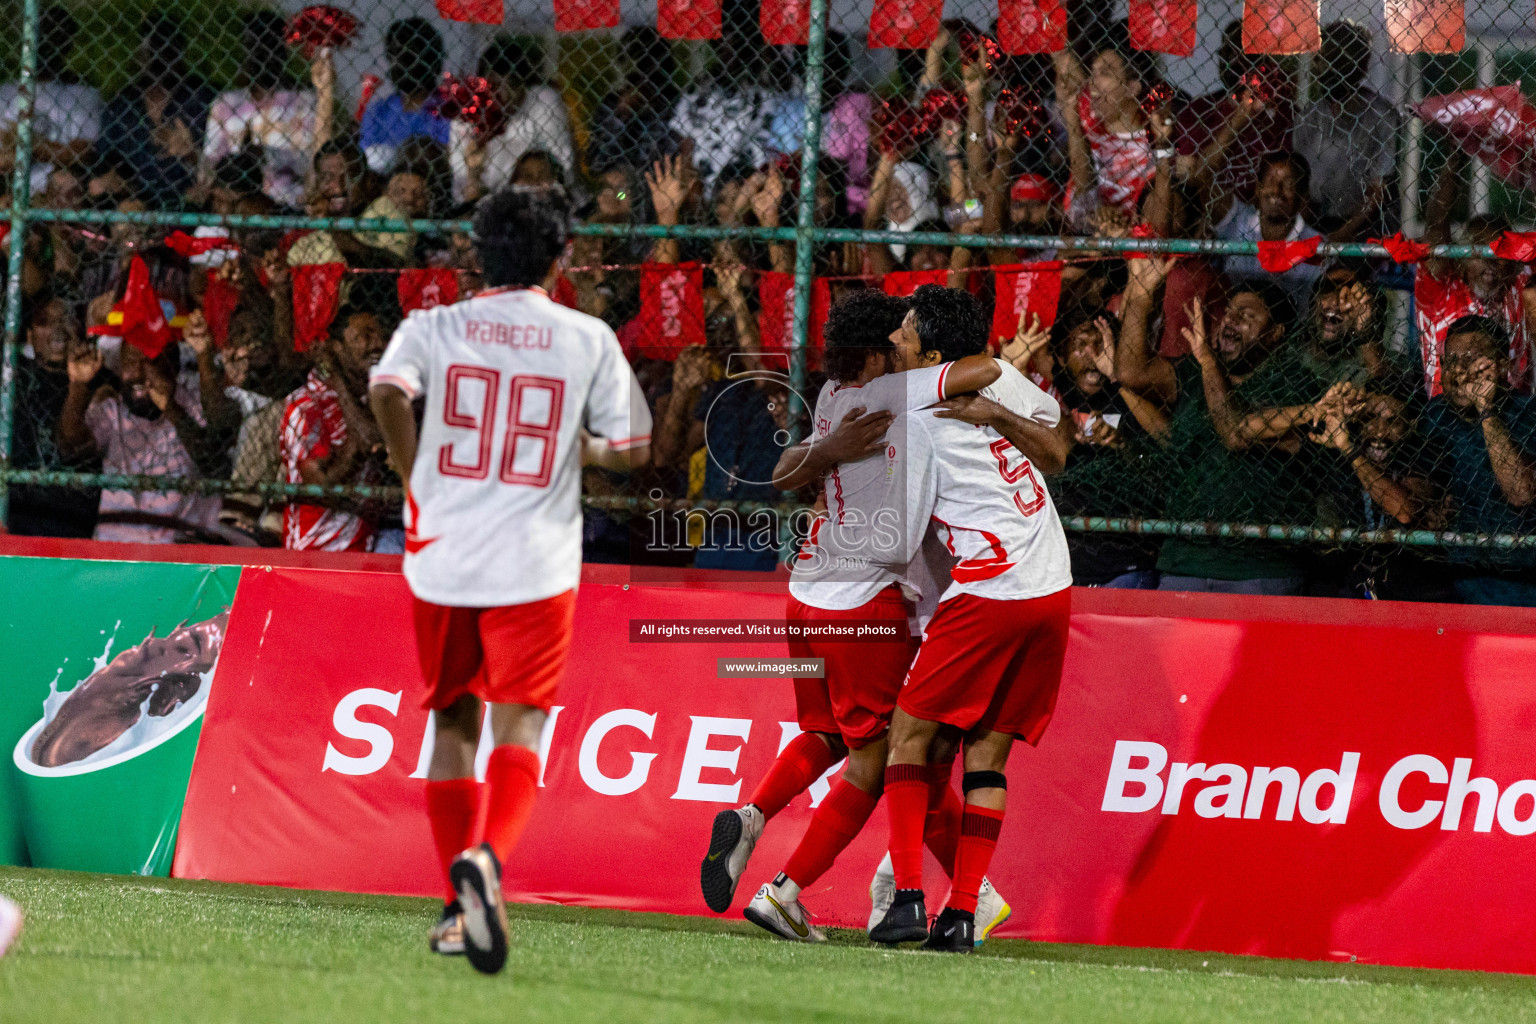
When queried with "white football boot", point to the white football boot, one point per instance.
{"points": [[991, 910], [882, 892], [785, 918], [731, 840]]}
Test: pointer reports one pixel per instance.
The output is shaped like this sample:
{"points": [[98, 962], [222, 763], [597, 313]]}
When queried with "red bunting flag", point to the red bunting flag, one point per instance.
{"points": [[220, 298], [902, 283], [671, 308], [904, 24], [580, 15], [1427, 26], [1403, 250], [1164, 26], [1031, 26], [1026, 290], [776, 311], [1278, 257], [476, 12], [185, 246], [427, 288], [316, 294], [1495, 124], [785, 22], [1514, 245], [1281, 26], [688, 19]]}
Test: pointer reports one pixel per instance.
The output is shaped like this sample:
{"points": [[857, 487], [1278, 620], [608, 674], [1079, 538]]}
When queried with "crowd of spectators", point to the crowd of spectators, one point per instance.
{"points": [[1202, 389]]}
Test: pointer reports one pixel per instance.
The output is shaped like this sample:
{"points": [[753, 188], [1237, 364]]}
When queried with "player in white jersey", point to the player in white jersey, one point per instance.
{"points": [[519, 394], [991, 656]]}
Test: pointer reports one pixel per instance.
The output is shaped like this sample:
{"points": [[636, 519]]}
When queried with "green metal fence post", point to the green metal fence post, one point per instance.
{"points": [[21, 194], [805, 218]]}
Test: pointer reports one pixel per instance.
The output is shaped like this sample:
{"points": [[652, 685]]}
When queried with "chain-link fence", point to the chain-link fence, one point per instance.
{"points": [[1266, 256]]}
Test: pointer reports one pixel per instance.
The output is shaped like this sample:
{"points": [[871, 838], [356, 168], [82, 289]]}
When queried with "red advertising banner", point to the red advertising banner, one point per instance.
{"points": [[1164, 26], [580, 15], [904, 24], [1031, 26], [1427, 26], [1025, 291], [688, 19], [1285, 777], [785, 22], [671, 308], [1281, 26]]}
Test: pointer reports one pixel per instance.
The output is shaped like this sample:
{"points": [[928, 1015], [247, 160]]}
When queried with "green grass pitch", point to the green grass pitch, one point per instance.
{"points": [[125, 950]]}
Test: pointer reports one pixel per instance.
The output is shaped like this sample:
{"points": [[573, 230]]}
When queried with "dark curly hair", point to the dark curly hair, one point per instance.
{"points": [[949, 322], [858, 325], [520, 232]]}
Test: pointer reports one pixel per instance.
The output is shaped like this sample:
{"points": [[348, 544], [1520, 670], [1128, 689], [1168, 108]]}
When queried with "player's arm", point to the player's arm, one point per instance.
{"points": [[859, 434], [392, 409], [596, 451], [969, 374], [1042, 444], [890, 532]]}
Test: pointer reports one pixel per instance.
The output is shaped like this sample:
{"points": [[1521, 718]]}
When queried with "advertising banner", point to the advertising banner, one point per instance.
{"points": [[107, 668], [1282, 777]]}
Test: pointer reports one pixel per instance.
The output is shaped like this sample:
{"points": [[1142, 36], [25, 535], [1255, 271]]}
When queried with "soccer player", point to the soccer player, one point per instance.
{"points": [[991, 656], [519, 394], [849, 710]]}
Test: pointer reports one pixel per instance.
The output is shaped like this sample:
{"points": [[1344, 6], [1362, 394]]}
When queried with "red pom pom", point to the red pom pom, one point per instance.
{"points": [[1156, 97], [942, 105], [975, 45], [319, 27], [471, 100], [901, 128], [1021, 115]]}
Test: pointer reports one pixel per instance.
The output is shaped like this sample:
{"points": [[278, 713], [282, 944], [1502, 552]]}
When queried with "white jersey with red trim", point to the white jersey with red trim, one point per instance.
{"points": [[857, 491], [985, 501], [510, 379]]}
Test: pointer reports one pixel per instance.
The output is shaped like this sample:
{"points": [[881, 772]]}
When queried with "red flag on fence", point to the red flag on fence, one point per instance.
{"points": [[671, 308], [1164, 26], [220, 298], [785, 22], [427, 287], [1278, 257], [1403, 250], [478, 12], [1025, 290], [1031, 26], [776, 311], [579, 15], [1515, 245], [1427, 26], [316, 294], [1496, 125], [1281, 26], [902, 283], [904, 24], [688, 19]]}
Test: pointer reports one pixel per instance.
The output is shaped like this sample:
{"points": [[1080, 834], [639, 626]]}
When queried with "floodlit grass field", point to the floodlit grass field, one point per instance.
{"points": [[123, 949]]}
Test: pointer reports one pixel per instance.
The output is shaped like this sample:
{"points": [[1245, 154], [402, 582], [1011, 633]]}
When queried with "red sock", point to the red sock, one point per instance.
{"points": [[906, 799], [800, 764], [832, 828], [511, 780], [941, 829], [451, 807], [979, 829]]}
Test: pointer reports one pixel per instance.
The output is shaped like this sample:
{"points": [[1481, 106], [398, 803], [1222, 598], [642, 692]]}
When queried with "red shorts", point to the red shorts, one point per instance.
{"points": [[514, 654], [993, 665], [858, 693]]}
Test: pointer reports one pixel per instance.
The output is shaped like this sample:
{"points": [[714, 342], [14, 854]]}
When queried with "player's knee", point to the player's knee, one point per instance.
{"points": [[988, 753], [866, 767], [834, 743], [517, 725], [459, 720]]}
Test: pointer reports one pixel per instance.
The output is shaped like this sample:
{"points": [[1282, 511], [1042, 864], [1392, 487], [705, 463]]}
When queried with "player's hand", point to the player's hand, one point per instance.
{"points": [[858, 435], [975, 409]]}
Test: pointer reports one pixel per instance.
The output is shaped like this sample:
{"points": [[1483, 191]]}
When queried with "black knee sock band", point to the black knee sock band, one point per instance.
{"points": [[983, 780]]}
